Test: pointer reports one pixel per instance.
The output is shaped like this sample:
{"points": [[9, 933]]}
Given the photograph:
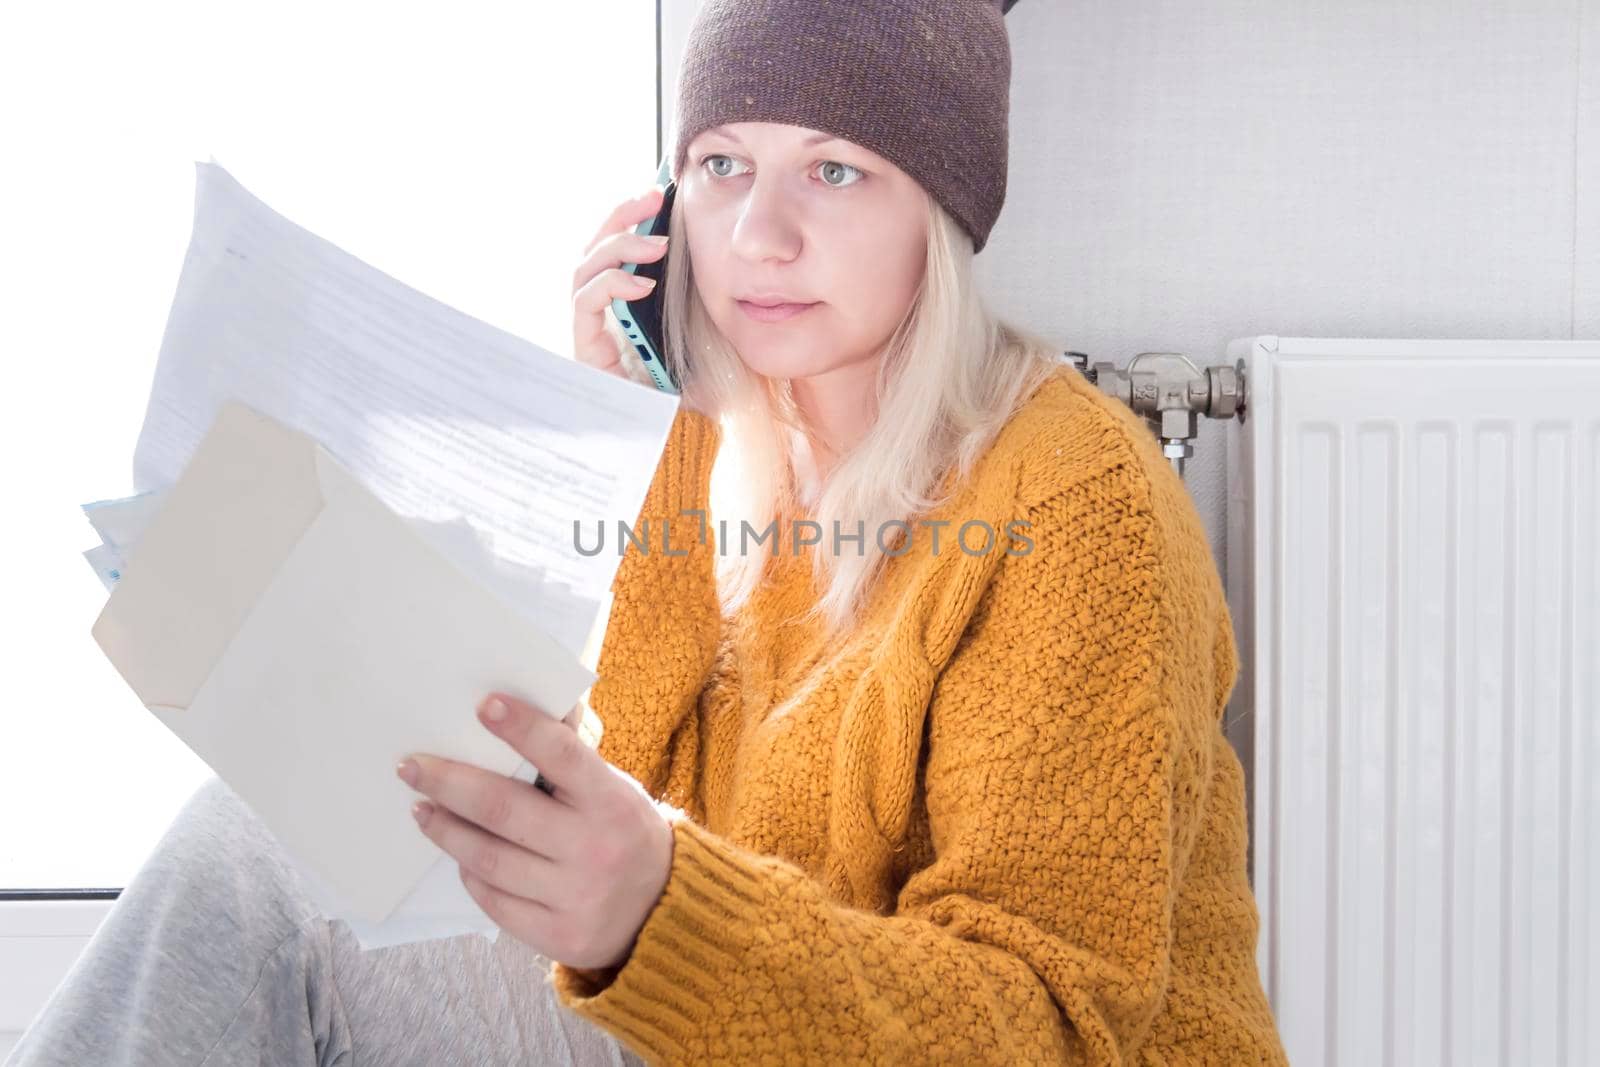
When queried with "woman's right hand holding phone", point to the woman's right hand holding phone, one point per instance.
{"points": [[600, 279]]}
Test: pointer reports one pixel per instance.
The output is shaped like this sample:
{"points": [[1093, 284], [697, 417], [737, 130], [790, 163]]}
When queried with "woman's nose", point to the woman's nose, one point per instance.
{"points": [[767, 227]]}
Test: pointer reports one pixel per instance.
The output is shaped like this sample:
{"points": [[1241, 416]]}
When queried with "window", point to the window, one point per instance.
{"points": [[470, 152]]}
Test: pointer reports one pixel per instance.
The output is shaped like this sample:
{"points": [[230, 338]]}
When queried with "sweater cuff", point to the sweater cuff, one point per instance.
{"points": [[662, 997]]}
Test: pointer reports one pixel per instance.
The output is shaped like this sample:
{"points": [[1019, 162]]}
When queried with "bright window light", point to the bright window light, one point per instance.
{"points": [[470, 150]]}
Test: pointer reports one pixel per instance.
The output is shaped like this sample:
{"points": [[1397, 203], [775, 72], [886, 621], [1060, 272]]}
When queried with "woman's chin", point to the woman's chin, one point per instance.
{"points": [[781, 361]]}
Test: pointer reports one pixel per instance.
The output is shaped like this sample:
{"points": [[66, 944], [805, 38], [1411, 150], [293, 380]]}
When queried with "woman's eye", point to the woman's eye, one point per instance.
{"points": [[833, 171], [719, 173], [833, 166]]}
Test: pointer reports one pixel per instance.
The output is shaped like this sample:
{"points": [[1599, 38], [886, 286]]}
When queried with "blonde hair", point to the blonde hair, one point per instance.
{"points": [[950, 376]]}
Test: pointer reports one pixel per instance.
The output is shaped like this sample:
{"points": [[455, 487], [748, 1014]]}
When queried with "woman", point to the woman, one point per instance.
{"points": [[947, 784]]}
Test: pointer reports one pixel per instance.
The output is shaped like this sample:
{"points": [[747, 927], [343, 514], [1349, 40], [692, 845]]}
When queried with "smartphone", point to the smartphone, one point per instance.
{"points": [[640, 318]]}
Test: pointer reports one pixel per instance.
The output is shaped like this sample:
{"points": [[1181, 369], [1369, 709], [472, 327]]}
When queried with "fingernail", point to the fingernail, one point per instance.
{"points": [[495, 710], [420, 811], [648, 283], [657, 238], [407, 770]]}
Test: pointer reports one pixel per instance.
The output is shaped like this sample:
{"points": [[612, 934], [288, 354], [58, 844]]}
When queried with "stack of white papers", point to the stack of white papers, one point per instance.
{"points": [[355, 517]]}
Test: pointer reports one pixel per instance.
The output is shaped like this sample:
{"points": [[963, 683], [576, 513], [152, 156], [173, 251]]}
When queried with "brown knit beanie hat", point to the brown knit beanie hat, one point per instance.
{"points": [[925, 84]]}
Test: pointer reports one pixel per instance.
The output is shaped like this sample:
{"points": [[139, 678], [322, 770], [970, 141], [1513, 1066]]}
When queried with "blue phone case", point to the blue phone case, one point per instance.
{"points": [[629, 313]]}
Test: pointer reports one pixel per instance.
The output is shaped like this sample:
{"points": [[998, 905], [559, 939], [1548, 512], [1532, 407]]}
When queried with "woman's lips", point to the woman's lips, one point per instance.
{"points": [[777, 313]]}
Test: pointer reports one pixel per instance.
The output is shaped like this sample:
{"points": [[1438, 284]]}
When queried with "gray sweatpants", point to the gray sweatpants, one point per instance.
{"points": [[214, 955]]}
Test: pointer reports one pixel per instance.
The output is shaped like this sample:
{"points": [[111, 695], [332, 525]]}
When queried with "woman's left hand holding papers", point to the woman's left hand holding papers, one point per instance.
{"points": [[572, 874]]}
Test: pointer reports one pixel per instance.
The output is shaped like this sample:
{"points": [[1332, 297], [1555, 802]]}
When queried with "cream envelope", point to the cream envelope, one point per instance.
{"points": [[301, 637]]}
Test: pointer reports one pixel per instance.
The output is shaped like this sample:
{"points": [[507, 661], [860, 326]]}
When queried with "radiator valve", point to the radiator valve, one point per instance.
{"points": [[1171, 393]]}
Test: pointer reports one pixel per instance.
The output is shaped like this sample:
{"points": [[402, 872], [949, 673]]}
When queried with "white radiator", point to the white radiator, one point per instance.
{"points": [[1413, 532]]}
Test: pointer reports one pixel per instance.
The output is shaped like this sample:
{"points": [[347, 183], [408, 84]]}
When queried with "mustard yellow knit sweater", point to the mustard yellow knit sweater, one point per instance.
{"points": [[1003, 825]]}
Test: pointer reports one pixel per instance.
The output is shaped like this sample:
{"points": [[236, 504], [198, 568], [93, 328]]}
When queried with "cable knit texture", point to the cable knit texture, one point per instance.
{"points": [[1000, 824]]}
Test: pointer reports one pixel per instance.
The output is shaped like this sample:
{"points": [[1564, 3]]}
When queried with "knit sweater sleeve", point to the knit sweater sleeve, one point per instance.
{"points": [[665, 624], [1063, 780]]}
